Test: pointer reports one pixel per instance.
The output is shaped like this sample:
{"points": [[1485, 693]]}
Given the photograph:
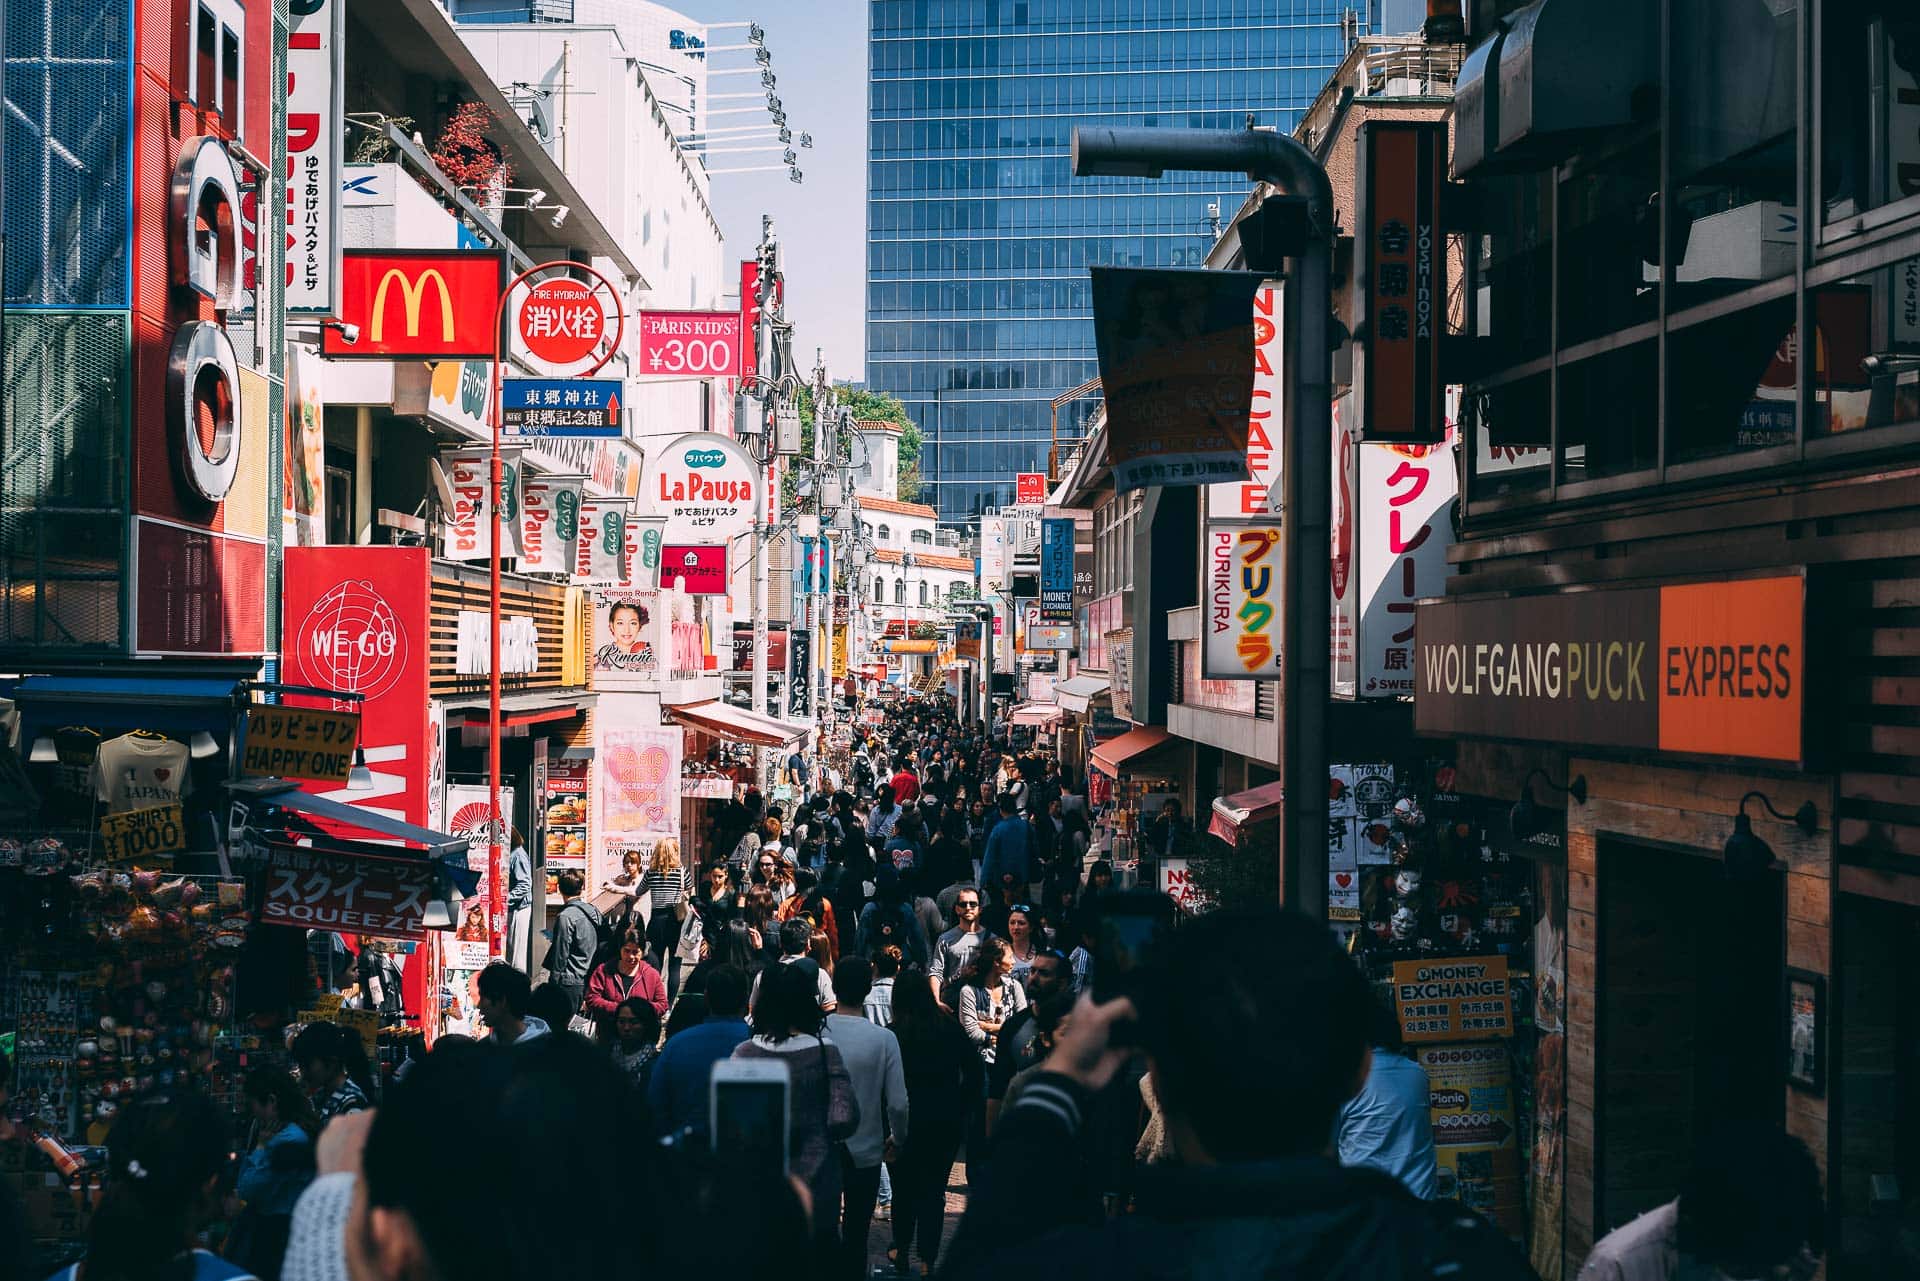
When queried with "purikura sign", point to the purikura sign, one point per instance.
{"points": [[706, 486]]}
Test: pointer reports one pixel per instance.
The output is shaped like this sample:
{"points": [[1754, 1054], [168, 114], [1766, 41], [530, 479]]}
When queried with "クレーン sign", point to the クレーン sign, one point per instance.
{"points": [[299, 742]]}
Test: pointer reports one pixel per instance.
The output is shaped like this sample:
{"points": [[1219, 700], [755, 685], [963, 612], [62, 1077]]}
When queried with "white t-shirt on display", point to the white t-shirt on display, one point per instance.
{"points": [[135, 772]]}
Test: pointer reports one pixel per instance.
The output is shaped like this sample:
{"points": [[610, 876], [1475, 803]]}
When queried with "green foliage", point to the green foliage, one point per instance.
{"points": [[867, 406]]}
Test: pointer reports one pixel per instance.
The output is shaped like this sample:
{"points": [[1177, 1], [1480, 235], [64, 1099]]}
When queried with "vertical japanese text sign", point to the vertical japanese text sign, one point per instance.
{"points": [[314, 123], [1401, 287]]}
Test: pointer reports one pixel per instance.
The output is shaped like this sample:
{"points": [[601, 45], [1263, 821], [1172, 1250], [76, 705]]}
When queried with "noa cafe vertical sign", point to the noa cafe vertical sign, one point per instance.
{"points": [[1259, 497], [1707, 669], [1243, 615]]}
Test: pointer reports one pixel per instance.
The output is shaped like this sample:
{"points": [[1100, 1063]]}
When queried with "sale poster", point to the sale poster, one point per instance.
{"points": [[1472, 1108]]}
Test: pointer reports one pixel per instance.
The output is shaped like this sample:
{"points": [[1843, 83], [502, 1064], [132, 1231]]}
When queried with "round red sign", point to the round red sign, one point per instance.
{"points": [[561, 321]]}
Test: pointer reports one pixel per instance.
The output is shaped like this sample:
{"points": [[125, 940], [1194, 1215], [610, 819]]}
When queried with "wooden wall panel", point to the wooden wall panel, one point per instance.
{"points": [[456, 591]]}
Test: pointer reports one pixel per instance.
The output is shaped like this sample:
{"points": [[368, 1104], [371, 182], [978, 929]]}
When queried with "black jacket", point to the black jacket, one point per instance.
{"points": [[1299, 1219]]}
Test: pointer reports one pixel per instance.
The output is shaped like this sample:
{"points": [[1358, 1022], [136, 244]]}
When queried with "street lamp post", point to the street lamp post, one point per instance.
{"points": [[496, 821], [1307, 417]]}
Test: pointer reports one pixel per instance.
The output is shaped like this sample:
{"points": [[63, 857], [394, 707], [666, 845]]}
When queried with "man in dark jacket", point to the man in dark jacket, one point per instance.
{"points": [[576, 937], [1255, 1028]]}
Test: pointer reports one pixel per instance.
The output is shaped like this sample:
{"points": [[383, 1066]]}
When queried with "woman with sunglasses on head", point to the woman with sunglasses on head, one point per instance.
{"points": [[1023, 940]]}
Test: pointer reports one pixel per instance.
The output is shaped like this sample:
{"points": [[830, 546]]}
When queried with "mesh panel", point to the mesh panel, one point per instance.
{"points": [[63, 475], [65, 179]]}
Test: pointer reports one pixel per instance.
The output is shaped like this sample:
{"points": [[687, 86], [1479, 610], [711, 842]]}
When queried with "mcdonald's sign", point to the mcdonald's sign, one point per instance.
{"points": [[433, 304]]}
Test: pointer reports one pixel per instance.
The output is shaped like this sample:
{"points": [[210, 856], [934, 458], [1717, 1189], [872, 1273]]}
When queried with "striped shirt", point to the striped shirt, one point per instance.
{"points": [[667, 888]]}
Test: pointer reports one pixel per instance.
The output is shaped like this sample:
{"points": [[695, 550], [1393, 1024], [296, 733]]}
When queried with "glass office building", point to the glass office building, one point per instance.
{"points": [[979, 237]]}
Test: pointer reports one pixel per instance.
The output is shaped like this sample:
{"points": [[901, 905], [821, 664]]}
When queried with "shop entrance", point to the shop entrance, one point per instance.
{"points": [[1690, 966]]}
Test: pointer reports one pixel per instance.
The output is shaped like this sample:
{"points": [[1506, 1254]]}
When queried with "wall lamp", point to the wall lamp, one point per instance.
{"points": [[1746, 854], [1525, 819]]}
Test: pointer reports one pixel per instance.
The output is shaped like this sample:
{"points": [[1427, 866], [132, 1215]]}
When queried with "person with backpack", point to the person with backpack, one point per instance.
{"points": [[796, 940], [889, 920], [576, 940]]}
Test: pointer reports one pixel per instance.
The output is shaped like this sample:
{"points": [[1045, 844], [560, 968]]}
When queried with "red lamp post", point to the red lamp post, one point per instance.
{"points": [[562, 348]]}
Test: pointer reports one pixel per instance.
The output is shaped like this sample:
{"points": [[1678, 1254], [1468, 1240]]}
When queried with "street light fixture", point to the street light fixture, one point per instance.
{"points": [[1278, 160]]}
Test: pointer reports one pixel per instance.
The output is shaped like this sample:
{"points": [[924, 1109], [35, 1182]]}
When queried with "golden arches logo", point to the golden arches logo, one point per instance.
{"points": [[412, 294]]}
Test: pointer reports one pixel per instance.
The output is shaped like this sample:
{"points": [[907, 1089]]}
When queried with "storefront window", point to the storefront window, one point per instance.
{"points": [[1610, 413], [1513, 270], [1867, 363], [1730, 383], [1734, 70], [1512, 430], [1869, 87], [1609, 247]]}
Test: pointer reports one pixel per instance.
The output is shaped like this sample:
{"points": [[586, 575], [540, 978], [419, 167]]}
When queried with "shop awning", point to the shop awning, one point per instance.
{"points": [[525, 707], [1077, 693], [1233, 815], [1115, 756], [1034, 714], [736, 724], [280, 794]]}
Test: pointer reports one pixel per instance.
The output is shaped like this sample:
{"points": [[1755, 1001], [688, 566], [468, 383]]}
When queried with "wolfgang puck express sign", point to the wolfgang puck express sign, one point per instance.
{"points": [[1714, 669]]}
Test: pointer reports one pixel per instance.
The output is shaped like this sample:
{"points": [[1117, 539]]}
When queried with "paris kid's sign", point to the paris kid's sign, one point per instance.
{"points": [[1712, 669]]}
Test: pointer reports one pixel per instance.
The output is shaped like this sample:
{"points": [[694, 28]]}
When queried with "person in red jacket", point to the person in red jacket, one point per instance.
{"points": [[626, 975], [906, 784]]}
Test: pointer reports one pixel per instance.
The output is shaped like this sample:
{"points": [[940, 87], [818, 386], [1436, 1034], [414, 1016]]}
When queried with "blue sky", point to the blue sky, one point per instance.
{"points": [[820, 59]]}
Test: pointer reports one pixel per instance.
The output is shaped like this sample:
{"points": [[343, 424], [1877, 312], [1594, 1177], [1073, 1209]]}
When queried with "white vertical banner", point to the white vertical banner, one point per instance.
{"points": [[1242, 595], [315, 120], [466, 530], [1343, 635], [549, 523], [1406, 525], [1260, 496], [602, 548]]}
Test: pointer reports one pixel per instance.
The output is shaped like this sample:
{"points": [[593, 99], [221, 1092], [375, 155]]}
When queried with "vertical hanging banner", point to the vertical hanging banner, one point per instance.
{"points": [[601, 552], [549, 523], [1176, 364], [1343, 622], [1243, 602], [466, 530], [646, 537], [1401, 286], [315, 118], [1406, 498], [1056, 569], [303, 453], [1259, 497], [800, 675]]}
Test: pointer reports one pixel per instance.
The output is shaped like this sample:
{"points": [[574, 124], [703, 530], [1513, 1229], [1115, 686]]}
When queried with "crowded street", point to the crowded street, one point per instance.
{"points": [[1127, 640]]}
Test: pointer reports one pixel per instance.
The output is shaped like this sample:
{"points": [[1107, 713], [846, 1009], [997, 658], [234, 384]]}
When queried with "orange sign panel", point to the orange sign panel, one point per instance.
{"points": [[1731, 668]]}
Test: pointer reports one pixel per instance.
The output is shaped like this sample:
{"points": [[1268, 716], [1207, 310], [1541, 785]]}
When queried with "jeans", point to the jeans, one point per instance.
{"points": [[920, 1194], [858, 1188]]}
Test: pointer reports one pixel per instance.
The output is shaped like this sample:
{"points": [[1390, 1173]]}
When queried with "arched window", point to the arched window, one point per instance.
{"points": [[879, 589], [923, 591], [922, 536], [886, 534], [866, 530], [899, 591]]}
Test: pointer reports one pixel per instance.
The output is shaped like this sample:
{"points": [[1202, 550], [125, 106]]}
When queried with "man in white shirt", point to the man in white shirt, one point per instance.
{"points": [[794, 935], [872, 1056]]}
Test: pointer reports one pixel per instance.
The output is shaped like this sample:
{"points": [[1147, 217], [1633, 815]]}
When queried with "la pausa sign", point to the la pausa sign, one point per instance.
{"points": [[1715, 669], [706, 486]]}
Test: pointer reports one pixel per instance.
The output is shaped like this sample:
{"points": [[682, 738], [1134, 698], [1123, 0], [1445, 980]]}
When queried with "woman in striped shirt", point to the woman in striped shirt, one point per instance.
{"points": [[666, 885]]}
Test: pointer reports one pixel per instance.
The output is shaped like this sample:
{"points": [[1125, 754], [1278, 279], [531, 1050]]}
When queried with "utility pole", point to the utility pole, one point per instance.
{"points": [[764, 294]]}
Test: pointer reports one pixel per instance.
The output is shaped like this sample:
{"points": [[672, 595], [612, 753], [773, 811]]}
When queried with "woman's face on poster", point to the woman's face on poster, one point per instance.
{"points": [[624, 623]]}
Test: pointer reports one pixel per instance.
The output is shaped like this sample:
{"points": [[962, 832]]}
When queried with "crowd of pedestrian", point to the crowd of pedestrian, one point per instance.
{"points": [[915, 951]]}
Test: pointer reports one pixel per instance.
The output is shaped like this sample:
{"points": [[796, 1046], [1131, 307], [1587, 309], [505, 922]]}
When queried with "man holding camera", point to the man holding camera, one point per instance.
{"points": [[1255, 1029]]}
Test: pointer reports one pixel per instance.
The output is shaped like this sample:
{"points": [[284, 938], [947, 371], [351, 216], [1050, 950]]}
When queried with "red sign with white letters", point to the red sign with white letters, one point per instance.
{"points": [[561, 321], [690, 344]]}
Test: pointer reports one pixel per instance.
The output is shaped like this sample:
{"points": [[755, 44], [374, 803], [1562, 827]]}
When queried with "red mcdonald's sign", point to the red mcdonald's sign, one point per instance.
{"points": [[428, 304]]}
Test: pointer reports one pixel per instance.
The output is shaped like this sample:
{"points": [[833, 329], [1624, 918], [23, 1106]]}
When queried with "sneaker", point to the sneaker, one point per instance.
{"points": [[882, 1211]]}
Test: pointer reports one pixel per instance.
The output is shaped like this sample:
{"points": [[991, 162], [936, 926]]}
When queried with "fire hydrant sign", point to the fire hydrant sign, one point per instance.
{"points": [[561, 321], [1463, 998], [299, 742], [571, 407], [161, 829], [690, 344]]}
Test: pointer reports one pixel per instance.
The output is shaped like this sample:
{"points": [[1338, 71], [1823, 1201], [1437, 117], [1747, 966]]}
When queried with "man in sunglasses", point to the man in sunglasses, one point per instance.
{"points": [[956, 947]]}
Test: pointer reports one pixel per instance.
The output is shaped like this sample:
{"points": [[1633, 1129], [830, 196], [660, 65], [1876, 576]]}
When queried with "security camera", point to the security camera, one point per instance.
{"points": [[349, 333]]}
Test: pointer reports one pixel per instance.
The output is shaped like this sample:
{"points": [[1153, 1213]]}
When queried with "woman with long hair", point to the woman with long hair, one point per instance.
{"points": [[789, 1028], [165, 1159], [666, 886], [989, 996], [757, 908], [1023, 940], [944, 1075], [277, 1168]]}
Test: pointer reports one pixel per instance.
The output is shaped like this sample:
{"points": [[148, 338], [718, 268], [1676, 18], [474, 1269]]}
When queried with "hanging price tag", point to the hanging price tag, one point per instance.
{"points": [[143, 833]]}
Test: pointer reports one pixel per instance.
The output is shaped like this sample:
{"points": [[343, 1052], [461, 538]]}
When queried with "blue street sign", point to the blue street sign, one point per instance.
{"points": [[533, 407]]}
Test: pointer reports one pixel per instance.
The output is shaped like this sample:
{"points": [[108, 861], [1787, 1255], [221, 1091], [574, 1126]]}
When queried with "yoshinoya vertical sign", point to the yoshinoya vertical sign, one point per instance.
{"points": [[1401, 282], [315, 118], [1260, 496], [1056, 569], [1714, 669], [1405, 524], [1241, 598]]}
